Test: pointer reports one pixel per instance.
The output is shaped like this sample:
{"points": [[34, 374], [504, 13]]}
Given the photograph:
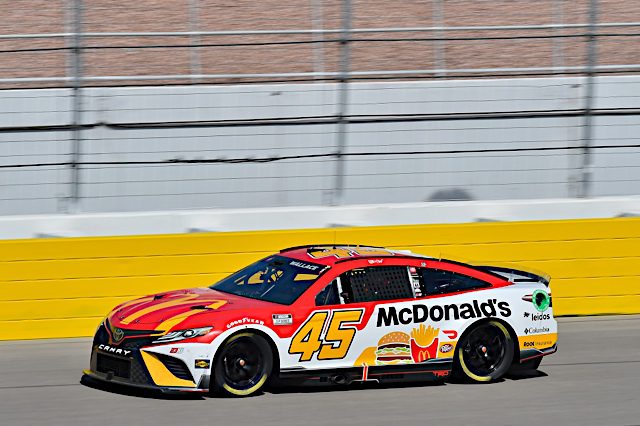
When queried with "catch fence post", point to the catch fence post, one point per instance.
{"points": [[76, 90], [343, 99], [584, 188]]}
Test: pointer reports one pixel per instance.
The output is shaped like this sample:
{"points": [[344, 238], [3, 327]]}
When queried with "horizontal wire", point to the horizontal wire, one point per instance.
{"points": [[501, 155], [332, 119], [309, 156], [321, 31], [302, 42], [319, 176], [307, 189], [319, 88], [305, 162]]}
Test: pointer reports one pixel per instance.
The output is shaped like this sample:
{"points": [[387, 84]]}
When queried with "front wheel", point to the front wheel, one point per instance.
{"points": [[485, 353], [243, 365]]}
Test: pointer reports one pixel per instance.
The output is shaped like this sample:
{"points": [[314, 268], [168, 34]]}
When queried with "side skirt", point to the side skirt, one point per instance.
{"points": [[435, 370], [527, 354]]}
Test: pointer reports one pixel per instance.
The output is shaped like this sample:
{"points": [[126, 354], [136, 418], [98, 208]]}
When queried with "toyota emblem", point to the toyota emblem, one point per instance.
{"points": [[118, 335]]}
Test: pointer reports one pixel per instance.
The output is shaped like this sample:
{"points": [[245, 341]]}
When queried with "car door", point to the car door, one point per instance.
{"points": [[341, 331]]}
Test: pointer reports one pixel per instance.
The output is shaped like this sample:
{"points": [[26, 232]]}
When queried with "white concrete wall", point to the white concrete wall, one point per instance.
{"points": [[226, 220], [376, 179]]}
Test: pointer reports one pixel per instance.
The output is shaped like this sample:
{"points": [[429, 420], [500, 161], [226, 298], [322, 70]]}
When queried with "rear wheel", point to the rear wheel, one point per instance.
{"points": [[244, 365], [485, 353]]}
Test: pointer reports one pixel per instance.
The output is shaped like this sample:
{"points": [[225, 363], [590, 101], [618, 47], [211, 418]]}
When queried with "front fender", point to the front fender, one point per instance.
{"points": [[217, 343]]}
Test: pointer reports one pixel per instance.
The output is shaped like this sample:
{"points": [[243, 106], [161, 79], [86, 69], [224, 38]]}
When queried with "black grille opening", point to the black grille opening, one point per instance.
{"points": [[118, 366], [136, 342], [176, 367]]}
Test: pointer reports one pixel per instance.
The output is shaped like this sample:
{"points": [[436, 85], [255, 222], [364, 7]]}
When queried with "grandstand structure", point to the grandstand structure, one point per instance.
{"points": [[303, 39]]}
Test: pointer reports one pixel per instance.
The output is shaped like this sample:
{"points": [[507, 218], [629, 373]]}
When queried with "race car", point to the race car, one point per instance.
{"points": [[330, 314]]}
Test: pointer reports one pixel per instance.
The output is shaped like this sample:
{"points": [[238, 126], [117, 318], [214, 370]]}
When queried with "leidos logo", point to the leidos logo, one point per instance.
{"points": [[421, 313], [537, 317]]}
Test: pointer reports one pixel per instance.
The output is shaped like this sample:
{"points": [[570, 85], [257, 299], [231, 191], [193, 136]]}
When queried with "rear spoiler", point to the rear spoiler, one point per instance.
{"points": [[517, 275]]}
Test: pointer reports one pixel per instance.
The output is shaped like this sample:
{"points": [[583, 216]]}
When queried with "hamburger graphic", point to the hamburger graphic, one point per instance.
{"points": [[394, 348]]}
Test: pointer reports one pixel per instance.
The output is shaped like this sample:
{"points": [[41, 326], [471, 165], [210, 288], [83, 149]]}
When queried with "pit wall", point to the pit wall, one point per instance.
{"points": [[63, 287]]}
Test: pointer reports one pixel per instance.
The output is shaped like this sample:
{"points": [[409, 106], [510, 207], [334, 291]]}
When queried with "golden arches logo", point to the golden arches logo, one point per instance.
{"points": [[422, 355]]}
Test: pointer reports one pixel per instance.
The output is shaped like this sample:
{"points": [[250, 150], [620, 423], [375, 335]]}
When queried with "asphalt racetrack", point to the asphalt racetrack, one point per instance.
{"points": [[594, 379]]}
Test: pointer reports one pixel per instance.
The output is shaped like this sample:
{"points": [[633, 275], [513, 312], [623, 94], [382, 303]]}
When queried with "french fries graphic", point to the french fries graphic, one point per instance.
{"points": [[424, 343], [424, 336]]}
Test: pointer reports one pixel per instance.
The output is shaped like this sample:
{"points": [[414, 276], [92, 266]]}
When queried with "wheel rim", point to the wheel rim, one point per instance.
{"points": [[243, 364], [484, 350]]}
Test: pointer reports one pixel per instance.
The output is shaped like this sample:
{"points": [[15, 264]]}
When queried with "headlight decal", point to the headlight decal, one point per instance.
{"points": [[189, 333]]}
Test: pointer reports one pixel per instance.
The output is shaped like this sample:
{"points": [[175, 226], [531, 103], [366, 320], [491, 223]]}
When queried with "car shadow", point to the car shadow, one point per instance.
{"points": [[136, 392], [284, 388], [355, 386], [524, 375]]}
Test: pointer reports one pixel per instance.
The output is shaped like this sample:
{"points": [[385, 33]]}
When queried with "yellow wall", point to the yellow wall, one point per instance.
{"points": [[63, 287]]}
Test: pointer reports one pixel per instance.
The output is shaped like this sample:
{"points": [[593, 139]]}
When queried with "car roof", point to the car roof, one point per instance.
{"points": [[330, 254]]}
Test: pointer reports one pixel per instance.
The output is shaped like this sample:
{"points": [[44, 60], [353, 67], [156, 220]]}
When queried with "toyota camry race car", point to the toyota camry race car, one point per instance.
{"points": [[330, 314]]}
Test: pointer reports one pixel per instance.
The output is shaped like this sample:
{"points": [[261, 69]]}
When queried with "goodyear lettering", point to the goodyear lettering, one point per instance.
{"points": [[419, 313], [113, 350], [245, 320]]}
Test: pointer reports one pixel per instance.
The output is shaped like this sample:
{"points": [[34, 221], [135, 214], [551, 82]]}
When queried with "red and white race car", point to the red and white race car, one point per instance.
{"points": [[330, 314]]}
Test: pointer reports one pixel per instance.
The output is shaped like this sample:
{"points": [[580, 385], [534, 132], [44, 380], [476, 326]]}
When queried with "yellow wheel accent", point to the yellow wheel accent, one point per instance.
{"points": [[468, 372], [245, 391]]}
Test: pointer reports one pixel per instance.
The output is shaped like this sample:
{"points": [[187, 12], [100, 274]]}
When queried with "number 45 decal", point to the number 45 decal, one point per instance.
{"points": [[337, 339]]}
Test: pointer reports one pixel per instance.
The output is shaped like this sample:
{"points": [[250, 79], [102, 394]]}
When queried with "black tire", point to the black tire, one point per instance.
{"points": [[485, 353], [243, 365]]}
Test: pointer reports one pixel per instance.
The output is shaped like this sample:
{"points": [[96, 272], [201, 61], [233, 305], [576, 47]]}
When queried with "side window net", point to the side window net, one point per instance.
{"points": [[329, 295], [376, 283]]}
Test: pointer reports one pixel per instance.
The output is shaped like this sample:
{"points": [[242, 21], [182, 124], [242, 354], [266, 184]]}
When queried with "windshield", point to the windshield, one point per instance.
{"points": [[275, 279]]}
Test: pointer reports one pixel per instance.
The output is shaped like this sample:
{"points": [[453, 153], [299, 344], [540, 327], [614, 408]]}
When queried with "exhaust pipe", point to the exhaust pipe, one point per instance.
{"points": [[341, 379]]}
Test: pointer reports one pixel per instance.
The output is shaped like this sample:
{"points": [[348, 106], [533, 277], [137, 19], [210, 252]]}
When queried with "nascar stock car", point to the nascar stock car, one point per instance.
{"points": [[330, 314]]}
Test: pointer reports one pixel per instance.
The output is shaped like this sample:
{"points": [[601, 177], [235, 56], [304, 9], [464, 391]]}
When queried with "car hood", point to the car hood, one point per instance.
{"points": [[195, 307]]}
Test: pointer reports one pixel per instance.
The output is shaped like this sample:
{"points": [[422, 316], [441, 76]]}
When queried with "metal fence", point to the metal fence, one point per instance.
{"points": [[85, 50]]}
